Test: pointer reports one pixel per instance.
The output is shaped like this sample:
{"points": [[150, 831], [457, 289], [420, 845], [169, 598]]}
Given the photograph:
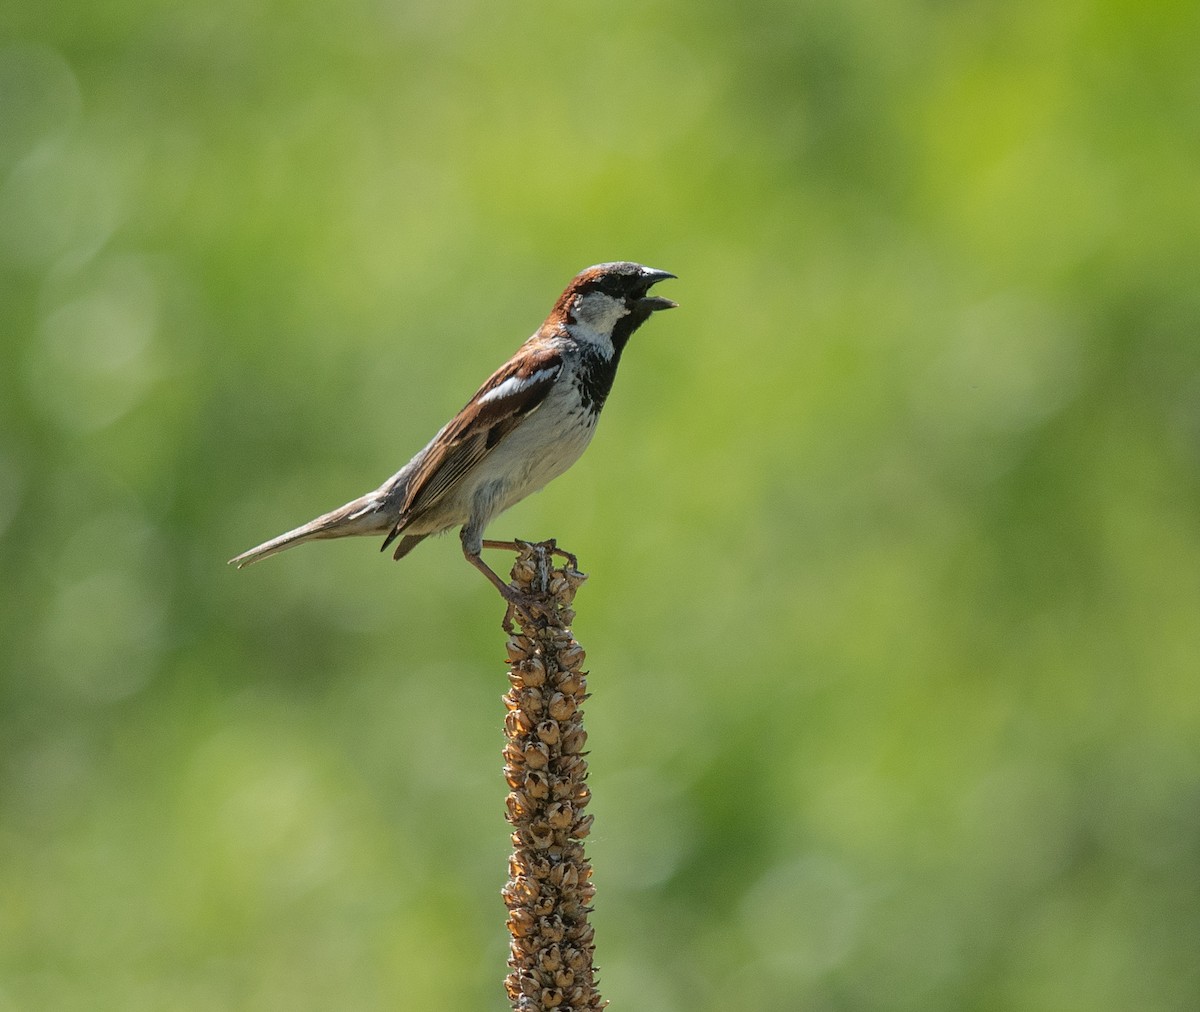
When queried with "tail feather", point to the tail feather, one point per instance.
{"points": [[363, 516], [407, 544]]}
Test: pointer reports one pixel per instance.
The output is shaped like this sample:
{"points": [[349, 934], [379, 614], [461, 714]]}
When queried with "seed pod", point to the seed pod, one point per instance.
{"points": [[533, 671], [537, 755], [550, 959], [560, 588], [517, 723], [521, 923], [524, 570], [523, 891], [561, 707], [560, 815], [537, 784], [548, 731], [530, 985], [574, 741], [565, 877], [540, 835], [571, 656], [551, 928], [530, 700], [519, 646]]}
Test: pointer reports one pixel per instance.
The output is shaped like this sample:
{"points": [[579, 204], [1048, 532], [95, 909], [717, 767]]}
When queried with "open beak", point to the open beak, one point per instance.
{"points": [[653, 303]]}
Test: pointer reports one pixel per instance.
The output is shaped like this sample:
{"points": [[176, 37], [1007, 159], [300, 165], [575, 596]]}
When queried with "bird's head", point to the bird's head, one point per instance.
{"points": [[605, 304]]}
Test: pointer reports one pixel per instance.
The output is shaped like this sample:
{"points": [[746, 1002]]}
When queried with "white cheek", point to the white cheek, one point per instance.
{"points": [[600, 311], [596, 314]]}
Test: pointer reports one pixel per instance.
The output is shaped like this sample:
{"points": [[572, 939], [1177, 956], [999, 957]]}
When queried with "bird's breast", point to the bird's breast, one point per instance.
{"points": [[548, 442]]}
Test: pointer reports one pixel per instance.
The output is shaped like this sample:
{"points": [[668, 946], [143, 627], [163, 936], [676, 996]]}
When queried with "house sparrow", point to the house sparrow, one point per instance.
{"points": [[525, 426]]}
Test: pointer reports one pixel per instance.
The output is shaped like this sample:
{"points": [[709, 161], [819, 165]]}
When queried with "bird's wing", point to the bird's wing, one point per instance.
{"points": [[510, 394]]}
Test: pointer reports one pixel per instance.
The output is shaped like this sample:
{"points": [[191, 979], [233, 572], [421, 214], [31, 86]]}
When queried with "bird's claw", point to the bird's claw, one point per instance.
{"points": [[529, 610]]}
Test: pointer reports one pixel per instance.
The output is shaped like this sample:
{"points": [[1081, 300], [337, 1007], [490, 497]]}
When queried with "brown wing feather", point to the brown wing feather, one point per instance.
{"points": [[487, 418]]}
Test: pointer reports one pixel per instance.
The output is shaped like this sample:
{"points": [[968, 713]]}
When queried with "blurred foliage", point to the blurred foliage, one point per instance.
{"points": [[894, 618]]}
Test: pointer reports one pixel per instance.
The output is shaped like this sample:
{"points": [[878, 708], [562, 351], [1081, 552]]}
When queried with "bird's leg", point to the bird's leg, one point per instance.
{"points": [[568, 557], [516, 546], [528, 608], [506, 591]]}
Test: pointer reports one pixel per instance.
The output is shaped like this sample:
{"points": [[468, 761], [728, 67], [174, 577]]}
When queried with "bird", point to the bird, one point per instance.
{"points": [[526, 425]]}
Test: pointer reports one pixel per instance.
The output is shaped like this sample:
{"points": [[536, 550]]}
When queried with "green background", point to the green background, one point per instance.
{"points": [[893, 528]]}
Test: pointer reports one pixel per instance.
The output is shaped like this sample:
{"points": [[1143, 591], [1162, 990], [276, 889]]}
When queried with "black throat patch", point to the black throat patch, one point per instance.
{"points": [[596, 375]]}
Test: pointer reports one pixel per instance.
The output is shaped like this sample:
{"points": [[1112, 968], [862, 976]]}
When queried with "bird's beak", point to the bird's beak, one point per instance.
{"points": [[653, 303]]}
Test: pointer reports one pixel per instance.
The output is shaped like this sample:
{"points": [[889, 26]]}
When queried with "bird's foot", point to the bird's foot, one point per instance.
{"points": [[519, 546], [531, 612], [530, 609]]}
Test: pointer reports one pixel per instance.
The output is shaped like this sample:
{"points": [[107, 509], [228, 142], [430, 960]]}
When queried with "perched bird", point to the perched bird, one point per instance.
{"points": [[525, 426]]}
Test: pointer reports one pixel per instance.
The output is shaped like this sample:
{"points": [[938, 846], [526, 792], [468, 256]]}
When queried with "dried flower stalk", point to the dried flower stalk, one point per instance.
{"points": [[549, 890]]}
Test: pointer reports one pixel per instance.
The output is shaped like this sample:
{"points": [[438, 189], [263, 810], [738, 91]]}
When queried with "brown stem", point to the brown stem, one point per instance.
{"points": [[549, 890]]}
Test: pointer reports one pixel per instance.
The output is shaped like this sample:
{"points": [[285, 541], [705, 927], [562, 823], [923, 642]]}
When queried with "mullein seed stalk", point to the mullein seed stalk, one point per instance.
{"points": [[549, 890]]}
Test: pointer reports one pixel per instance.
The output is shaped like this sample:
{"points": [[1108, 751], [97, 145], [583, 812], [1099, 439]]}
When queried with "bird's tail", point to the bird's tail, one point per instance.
{"points": [[364, 515]]}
